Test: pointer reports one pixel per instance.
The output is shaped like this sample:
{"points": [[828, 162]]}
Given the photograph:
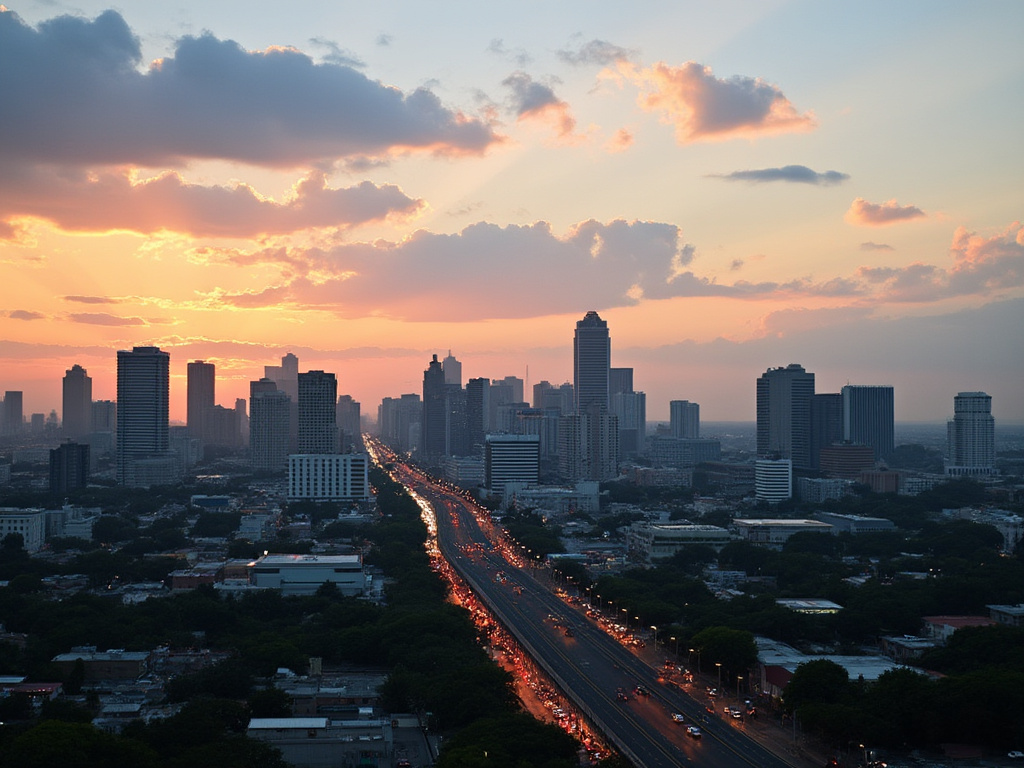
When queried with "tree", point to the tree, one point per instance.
{"points": [[817, 682], [734, 649]]}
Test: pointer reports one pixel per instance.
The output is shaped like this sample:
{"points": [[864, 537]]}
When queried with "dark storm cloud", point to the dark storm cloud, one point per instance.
{"points": [[74, 93], [798, 174]]}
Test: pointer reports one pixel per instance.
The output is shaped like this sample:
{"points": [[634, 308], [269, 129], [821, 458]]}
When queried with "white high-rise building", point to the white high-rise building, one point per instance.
{"points": [[510, 459], [971, 436], [773, 480]]}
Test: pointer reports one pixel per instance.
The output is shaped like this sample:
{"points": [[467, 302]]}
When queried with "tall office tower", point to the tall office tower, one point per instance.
{"points": [[592, 354], [269, 421], [971, 436], [399, 421], [826, 424], [784, 414], [76, 402], [516, 387], [201, 383], [684, 419], [500, 394], [478, 401], [511, 459], [349, 426], [14, 413], [143, 396], [434, 419], [588, 445], [452, 370], [868, 417], [243, 419], [630, 408], [318, 412], [69, 467], [222, 427], [456, 421], [620, 380], [104, 416], [286, 377]]}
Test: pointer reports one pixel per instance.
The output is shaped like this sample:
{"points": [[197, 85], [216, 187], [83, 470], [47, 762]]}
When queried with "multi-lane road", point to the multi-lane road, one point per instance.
{"points": [[588, 664]]}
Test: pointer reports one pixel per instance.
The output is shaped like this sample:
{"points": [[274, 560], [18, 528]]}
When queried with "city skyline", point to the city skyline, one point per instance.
{"points": [[732, 189]]}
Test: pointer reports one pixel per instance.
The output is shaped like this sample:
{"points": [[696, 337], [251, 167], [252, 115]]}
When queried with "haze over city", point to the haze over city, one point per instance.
{"points": [[732, 187]]}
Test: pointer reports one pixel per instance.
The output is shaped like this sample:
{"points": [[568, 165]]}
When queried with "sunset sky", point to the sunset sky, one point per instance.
{"points": [[733, 186]]}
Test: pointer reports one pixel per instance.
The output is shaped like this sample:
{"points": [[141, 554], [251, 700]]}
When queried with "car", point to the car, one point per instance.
{"points": [[403, 763], [693, 732], [641, 691], [621, 695], [1015, 755], [678, 717]]}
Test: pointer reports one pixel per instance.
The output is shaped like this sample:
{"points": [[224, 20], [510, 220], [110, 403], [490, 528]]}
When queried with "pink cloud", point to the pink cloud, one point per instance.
{"points": [[704, 107], [621, 141], [25, 314], [867, 214], [115, 201], [536, 101]]}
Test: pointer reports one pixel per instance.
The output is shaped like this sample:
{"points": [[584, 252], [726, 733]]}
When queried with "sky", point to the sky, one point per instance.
{"points": [[733, 186]]}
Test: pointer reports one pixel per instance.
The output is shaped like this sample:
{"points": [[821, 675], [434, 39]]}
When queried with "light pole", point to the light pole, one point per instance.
{"points": [[738, 679], [697, 650], [655, 630], [865, 755], [676, 641], [719, 665]]}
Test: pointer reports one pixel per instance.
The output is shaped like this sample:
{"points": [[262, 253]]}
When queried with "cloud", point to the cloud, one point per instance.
{"points": [[869, 246], [102, 318], [867, 214], [438, 277], [621, 141], [799, 174], [982, 266], [100, 202], [704, 107], [25, 314], [599, 52], [531, 100], [338, 55], [93, 299], [74, 93], [519, 56]]}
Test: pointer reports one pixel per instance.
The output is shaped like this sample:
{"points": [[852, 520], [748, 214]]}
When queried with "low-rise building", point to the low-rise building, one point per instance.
{"points": [[855, 524], [650, 542], [305, 574], [114, 664], [1010, 615], [941, 628], [775, 532], [320, 742], [329, 477]]}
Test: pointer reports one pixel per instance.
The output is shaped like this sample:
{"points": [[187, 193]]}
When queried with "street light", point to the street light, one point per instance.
{"points": [[676, 641], [655, 630], [738, 679], [697, 651], [719, 665]]}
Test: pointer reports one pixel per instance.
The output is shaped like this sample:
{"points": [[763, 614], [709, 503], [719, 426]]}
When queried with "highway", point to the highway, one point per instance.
{"points": [[589, 665]]}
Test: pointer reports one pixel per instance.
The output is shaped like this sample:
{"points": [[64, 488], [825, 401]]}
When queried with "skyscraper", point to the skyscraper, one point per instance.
{"points": [[349, 427], [784, 414], [76, 403], [434, 410], [826, 423], [477, 408], [14, 413], [684, 419], [270, 417], [200, 398], [318, 412], [868, 418], [592, 353], [143, 395], [452, 370], [971, 436]]}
